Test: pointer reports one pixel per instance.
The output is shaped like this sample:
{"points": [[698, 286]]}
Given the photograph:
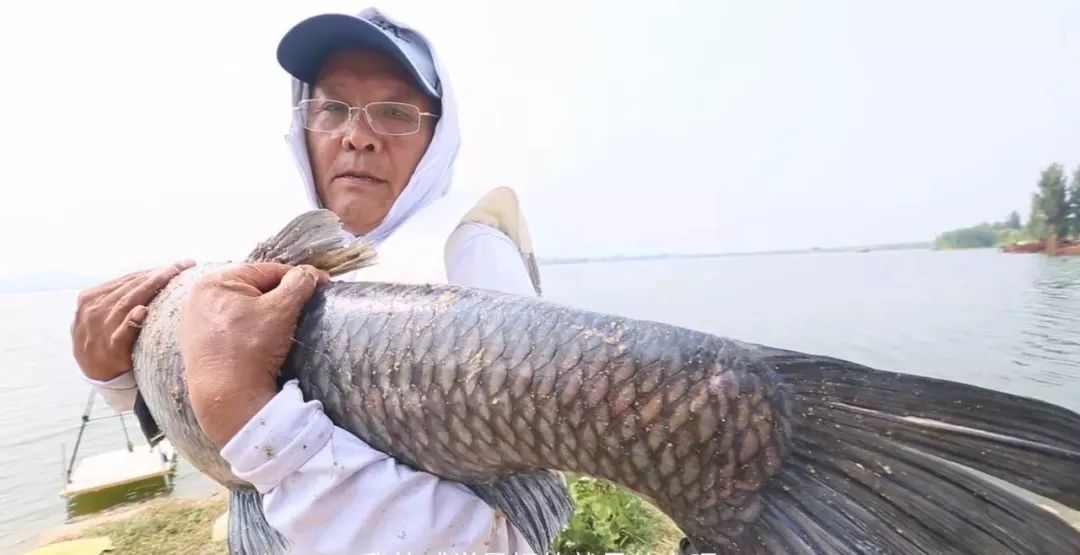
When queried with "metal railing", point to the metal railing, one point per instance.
{"points": [[70, 464]]}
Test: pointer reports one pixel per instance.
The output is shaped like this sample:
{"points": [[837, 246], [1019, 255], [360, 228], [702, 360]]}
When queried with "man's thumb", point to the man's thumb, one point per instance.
{"points": [[296, 287]]}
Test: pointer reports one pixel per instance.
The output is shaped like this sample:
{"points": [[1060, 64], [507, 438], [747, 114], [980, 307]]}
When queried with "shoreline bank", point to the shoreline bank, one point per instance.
{"points": [[171, 525], [161, 525]]}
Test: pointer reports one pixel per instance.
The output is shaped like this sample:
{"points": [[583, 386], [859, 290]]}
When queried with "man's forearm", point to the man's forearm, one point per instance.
{"points": [[327, 491]]}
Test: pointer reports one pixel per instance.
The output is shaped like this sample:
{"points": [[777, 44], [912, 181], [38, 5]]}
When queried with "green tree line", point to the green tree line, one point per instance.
{"points": [[1055, 215]]}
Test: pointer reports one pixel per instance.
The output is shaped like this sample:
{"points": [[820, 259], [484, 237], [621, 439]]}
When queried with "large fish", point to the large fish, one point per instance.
{"points": [[749, 449]]}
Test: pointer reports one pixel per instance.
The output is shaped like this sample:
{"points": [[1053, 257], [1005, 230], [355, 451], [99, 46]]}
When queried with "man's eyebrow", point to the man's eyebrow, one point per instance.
{"points": [[403, 94], [331, 85], [396, 89]]}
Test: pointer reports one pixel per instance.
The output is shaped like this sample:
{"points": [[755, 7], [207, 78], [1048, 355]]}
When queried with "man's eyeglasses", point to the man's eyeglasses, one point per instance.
{"points": [[385, 118]]}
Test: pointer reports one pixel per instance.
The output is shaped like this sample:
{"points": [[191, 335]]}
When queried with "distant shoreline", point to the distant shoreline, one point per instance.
{"points": [[69, 282], [924, 245]]}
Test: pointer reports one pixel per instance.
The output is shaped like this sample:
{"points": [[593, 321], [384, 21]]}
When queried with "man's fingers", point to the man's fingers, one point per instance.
{"points": [[266, 276], [138, 279], [296, 287], [110, 286], [126, 333], [136, 317], [260, 276], [144, 290]]}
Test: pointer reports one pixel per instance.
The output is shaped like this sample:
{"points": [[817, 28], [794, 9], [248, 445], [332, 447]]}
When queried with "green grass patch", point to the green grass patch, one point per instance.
{"points": [[610, 518]]}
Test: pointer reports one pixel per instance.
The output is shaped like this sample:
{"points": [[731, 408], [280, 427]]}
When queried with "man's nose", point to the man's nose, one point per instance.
{"points": [[358, 134]]}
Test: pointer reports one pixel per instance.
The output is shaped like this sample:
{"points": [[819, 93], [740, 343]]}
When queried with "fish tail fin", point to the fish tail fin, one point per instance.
{"points": [[881, 463], [536, 502], [150, 429], [249, 533], [317, 238]]}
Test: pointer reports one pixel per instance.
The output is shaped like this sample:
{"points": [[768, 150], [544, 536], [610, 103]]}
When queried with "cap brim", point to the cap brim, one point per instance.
{"points": [[306, 46]]}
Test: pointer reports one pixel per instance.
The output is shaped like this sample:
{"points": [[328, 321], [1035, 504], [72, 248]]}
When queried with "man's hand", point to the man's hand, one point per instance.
{"points": [[108, 317], [235, 331]]}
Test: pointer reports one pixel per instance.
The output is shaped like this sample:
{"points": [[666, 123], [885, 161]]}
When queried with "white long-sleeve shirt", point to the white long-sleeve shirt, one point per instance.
{"points": [[327, 491]]}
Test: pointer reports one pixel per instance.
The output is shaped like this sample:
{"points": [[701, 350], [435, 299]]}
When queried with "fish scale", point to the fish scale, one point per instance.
{"points": [[554, 434]]}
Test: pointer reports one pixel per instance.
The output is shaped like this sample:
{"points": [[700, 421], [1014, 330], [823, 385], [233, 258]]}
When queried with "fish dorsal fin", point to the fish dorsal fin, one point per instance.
{"points": [[318, 238]]}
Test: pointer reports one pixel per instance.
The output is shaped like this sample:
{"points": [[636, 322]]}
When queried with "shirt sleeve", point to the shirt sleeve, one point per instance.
{"points": [[119, 392], [483, 257], [327, 491]]}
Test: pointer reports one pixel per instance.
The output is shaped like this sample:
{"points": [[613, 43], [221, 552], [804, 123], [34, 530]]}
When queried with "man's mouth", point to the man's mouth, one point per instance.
{"points": [[359, 178]]}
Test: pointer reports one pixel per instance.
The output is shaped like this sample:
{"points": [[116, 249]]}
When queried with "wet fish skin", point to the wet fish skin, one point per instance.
{"points": [[474, 385], [158, 369]]}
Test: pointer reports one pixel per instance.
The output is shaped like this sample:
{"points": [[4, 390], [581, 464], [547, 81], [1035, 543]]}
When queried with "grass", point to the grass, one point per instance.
{"points": [[612, 519], [165, 527]]}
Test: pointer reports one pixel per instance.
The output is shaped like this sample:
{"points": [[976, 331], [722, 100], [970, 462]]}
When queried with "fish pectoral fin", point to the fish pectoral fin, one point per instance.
{"points": [[318, 238], [536, 502]]}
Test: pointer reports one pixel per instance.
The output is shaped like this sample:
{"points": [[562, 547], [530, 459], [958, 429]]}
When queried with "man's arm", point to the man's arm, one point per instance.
{"points": [[327, 491]]}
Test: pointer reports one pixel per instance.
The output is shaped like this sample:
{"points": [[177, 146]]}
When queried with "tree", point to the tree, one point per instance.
{"points": [[1014, 219], [975, 237], [1050, 203], [1036, 221], [1074, 204]]}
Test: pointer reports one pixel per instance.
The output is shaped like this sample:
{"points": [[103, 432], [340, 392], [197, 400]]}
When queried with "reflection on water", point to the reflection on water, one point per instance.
{"points": [[111, 497], [1051, 336]]}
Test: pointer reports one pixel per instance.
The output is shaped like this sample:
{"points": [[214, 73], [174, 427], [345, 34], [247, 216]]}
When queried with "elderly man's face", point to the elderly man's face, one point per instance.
{"points": [[358, 173]]}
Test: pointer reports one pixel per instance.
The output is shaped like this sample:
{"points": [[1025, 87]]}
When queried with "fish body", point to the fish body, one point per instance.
{"points": [[476, 385], [747, 448]]}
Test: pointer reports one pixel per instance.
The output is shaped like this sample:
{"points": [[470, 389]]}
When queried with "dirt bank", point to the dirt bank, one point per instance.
{"points": [[162, 526]]}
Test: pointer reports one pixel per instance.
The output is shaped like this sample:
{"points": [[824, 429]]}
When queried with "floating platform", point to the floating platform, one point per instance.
{"points": [[119, 468]]}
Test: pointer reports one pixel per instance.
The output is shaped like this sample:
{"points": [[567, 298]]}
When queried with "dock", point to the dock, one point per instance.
{"points": [[119, 468], [113, 470]]}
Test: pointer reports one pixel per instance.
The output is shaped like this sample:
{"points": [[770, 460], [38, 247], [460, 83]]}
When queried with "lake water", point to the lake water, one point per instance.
{"points": [[1010, 322]]}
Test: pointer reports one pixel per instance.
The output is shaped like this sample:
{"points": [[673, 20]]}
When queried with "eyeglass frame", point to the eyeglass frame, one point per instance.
{"points": [[367, 116]]}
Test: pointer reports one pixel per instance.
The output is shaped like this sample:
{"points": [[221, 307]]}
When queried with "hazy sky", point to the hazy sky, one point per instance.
{"points": [[139, 132]]}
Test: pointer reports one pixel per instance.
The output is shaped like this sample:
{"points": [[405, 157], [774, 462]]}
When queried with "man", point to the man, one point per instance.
{"points": [[375, 136]]}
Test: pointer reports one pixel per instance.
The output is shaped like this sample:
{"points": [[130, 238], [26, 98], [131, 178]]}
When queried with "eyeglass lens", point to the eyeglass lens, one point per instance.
{"points": [[388, 118]]}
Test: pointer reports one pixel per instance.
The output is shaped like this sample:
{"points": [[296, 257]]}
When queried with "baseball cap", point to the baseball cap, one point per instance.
{"points": [[306, 46]]}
